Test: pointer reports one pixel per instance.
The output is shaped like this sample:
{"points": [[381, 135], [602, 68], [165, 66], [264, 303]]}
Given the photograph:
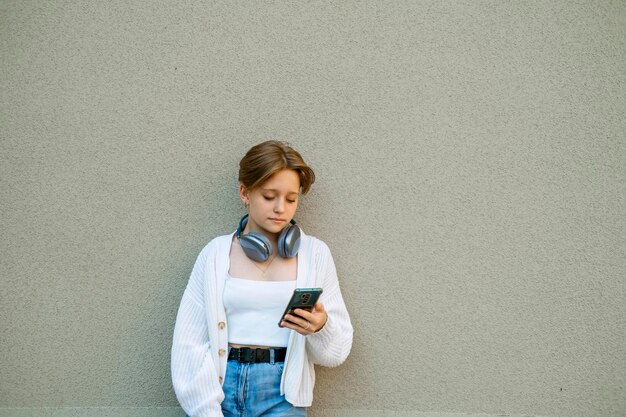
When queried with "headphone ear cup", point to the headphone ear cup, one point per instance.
{"points": [[289, 241], [256, 246]]}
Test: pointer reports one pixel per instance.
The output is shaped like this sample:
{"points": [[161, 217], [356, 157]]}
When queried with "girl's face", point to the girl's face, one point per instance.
{"points": [[273, 204]]}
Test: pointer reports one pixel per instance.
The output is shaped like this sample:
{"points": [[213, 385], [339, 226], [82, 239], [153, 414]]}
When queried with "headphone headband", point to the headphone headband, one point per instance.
{"points": [[244, 221]]}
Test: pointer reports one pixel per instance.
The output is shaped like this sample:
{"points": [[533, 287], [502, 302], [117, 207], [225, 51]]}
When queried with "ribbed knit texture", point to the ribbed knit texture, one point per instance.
{"points": [[200, 335]]}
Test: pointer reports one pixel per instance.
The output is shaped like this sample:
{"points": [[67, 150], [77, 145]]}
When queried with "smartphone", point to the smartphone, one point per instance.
{"points": [[304, 298]]}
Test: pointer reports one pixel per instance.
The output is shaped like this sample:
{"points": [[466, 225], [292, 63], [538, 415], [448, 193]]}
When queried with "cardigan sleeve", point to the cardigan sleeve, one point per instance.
{"points": [[330, 346], [194, 375]]}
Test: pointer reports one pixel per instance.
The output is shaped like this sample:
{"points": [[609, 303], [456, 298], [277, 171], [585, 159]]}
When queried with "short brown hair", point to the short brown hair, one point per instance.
{"points": [[267, 158]]}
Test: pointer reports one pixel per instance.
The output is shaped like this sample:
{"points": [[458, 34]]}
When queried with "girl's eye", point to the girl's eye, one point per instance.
{"points": [[271, 197]]}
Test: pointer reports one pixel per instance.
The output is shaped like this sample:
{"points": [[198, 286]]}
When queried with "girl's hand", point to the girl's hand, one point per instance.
{"points": [[306, 322]]}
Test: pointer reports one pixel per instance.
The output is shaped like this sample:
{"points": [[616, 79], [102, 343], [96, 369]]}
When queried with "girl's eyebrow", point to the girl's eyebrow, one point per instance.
{"points": [[276, 191]]}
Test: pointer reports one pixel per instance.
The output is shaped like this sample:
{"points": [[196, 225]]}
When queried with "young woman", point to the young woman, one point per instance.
{"points": [[230, 357]]}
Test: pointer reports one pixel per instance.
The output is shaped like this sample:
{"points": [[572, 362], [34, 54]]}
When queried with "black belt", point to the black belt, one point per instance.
{"points": [[250, 355]]}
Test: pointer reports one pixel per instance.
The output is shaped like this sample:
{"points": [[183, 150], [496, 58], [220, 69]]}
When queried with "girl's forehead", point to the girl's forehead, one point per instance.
{"points": [[285, 180]]}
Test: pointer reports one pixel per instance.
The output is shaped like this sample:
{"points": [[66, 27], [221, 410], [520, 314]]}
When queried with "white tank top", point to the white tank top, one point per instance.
{"points": [[253, 310]]}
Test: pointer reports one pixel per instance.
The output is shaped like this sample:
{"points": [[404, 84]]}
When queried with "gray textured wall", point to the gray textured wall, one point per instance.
{"points": [[471, 184]]}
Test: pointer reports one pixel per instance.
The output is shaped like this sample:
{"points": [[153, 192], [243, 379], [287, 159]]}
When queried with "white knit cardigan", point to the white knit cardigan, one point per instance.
{"points": [[200, 344]]}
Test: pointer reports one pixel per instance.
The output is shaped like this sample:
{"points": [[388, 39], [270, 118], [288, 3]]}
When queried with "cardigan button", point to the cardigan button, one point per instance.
{"points": [[221, 352], [221, 325], [221, 379]]}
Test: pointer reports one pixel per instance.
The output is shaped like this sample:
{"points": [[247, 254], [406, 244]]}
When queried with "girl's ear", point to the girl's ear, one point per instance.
{"points": [[243, 194]]}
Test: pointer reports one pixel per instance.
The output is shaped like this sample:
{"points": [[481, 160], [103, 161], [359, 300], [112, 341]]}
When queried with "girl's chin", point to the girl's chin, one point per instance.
{"points": [[273, 230]]}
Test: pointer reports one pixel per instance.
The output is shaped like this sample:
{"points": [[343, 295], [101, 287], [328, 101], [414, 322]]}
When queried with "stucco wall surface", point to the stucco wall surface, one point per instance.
{"points": [[471, 185]]}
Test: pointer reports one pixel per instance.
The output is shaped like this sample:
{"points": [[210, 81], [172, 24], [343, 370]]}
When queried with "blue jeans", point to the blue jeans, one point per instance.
{"points": [[253, 390]]}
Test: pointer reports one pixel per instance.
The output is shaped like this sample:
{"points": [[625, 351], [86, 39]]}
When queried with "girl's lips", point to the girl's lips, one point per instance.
{"points": [[277, 220]]}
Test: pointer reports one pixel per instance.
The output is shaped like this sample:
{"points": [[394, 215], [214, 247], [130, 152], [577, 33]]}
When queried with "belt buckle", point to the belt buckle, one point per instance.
{"points": [[255, 355], [250, 355], [246, 355]]}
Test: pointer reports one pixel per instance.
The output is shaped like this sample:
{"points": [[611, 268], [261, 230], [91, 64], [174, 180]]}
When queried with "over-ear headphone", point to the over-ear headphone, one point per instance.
{"points": [[258, 247]]}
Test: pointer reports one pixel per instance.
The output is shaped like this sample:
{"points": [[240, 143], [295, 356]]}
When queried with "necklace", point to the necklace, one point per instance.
{"points": [[256, 264], [263, 271]]}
